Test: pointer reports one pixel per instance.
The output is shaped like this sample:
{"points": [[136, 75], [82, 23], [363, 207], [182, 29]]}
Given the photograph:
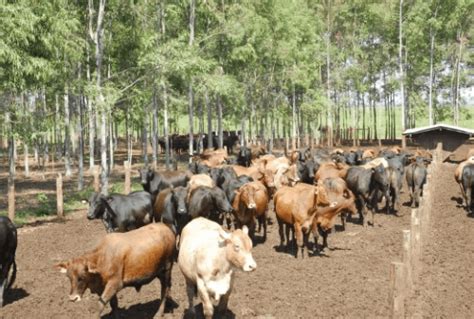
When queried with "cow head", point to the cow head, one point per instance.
{"points": [[269, 179], [179, 197], [238, 246], [82, 274], [146, 175], [220, 200], [96, 206], [247, 196]]}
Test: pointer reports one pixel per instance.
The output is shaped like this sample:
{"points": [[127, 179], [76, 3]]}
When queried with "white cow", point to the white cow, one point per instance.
{"points": [[208, 256]]}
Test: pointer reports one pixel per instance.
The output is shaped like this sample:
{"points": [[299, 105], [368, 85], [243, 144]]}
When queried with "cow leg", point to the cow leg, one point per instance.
{"points": [[224, 301], [110, 290], [2, 289], [264, 222], [299, 240], [207, 306], [363, 211], [280, 232], [343, 220], [191, 291], [165, 281], [464, 196], [114, 306], [469, 200]]}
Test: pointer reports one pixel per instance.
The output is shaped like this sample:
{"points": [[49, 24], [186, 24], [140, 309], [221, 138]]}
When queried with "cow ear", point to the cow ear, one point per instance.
{"points": [[245, 229], [92, 268], [62, 267], [224, 235]]}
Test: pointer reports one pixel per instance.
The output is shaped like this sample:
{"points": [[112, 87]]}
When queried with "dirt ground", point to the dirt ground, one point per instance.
{"points": [[446, 283], [349, 280]]}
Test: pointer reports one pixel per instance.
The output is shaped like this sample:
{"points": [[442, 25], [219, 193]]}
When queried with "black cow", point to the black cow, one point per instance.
{"points": [[209, 202], [244, 157], [121, 212], [8, 243], [170, 208], [416, 178], [198, 168], [232, 185], [365, 183], [307, 170], [154, 182], [222, 174], [467, 179]]}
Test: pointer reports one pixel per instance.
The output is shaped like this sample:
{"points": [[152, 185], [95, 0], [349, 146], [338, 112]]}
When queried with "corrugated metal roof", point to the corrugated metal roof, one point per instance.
{"points": [[419, 130]]}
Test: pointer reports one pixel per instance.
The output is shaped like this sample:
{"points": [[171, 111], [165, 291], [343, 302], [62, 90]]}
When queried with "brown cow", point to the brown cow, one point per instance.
{"points": [[214, 158], [368, 154], [341, 199], [331, 170], [121, 260], [250, 203], [296, 206], [458, 175]]}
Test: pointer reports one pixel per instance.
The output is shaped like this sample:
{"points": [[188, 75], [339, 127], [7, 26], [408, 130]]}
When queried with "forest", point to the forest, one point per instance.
{"points": [[79, 76]]}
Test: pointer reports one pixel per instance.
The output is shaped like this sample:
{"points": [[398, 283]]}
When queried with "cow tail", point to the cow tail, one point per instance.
{"points": [[13, 277]]}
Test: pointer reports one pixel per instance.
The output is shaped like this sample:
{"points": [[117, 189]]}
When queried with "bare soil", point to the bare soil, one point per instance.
{"points": [[349, 280], [446, 282]]}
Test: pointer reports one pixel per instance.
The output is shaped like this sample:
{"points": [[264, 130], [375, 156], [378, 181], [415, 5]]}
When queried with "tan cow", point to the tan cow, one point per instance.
{"points": [[250, 203], [331, 170], [208, 256], [295, 206], [122, 260], [199, 180]]}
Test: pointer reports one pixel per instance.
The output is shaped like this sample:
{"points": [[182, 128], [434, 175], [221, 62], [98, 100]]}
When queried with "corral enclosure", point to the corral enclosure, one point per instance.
{"points": [[351, 279]]}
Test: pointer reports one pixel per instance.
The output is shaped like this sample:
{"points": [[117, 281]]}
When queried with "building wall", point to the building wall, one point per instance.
{"points": [[451, 140]]}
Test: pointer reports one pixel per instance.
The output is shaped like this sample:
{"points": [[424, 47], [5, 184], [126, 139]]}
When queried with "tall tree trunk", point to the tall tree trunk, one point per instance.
{"points": [[430, 92], [99, 52], [80, 179], [165, 126], [458, 76], [328, 78], [111, 143], [400, 65], [209, 119], [192, 8], [11, 165], [145, 136], [67, 133], [154, 137], [90, 104], [219, 122], [293, 118]]}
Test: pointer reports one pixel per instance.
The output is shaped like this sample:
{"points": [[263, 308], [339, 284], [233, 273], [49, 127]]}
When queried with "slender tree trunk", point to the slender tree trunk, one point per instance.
{"points": [[219, 122], [90, 104], [11, 166], [293, 118], [430, 92], [458, 76], [45, 139], [111, 143], [67, 133], [209, 119], [145, 136], [99, 52], [80, 179], [328, 79], [192, 7], [400, 62], [154, 138], [165, 126]]}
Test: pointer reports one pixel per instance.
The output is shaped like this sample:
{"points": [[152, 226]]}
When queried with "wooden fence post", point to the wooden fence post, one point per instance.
{"points": [[59, 196], [415, 240], [95, 171], [397, 290], [127, 187], [407, 259]]}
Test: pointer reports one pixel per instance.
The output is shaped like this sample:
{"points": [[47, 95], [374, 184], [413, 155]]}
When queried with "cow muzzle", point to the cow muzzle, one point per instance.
{"points": [[251, 205], [74, 298], [250, 264]]}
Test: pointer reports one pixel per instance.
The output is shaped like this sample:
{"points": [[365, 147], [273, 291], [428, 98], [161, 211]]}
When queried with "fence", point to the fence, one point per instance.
{"points": [[404, 274]]}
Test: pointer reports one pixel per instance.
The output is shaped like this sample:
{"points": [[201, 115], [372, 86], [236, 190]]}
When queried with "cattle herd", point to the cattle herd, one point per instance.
{"points": [[207, 218]]}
